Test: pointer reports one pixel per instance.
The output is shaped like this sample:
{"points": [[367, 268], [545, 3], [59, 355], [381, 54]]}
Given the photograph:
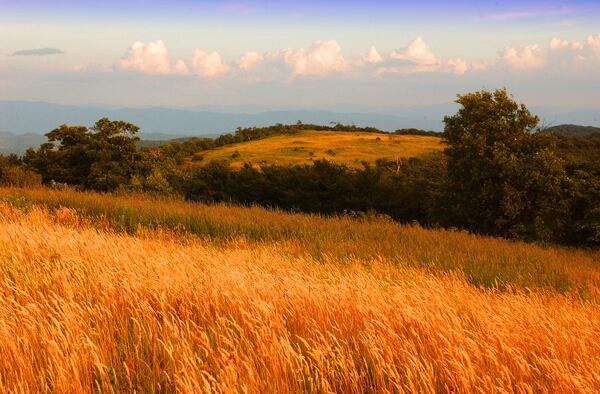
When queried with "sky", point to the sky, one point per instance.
{"points": [[317, 54]]}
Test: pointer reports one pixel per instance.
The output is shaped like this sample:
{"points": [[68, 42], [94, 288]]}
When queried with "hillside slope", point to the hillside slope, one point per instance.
{"points": [[572, 130], [351, 148]]}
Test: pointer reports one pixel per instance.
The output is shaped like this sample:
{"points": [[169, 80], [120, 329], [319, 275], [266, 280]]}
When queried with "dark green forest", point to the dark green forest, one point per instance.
{"points": [[499, 175]]}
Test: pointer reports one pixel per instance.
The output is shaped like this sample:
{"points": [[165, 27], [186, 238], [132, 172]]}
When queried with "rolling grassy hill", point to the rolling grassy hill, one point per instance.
{"points": [[349, 148]]}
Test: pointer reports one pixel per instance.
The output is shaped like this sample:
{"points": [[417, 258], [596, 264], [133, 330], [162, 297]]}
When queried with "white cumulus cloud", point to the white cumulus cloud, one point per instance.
{"points": [[249, 60], [322, 58], [417, 57], [560, 54], [372, 56], [558, 43], [524, 57], [209, 64], [417, 52], [151, 58], [592, 44]]}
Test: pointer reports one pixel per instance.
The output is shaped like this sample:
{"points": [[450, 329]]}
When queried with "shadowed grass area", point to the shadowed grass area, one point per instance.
{"points": [[350, 148], [486, 261]]}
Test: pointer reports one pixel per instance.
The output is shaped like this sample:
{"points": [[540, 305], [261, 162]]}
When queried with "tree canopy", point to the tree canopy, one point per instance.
{"points": [[503, 178], [101, 157]]}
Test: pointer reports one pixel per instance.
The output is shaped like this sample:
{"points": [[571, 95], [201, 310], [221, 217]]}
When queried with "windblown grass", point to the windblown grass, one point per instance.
{"points": [[86, 308], [340, 147], [491, 262]]}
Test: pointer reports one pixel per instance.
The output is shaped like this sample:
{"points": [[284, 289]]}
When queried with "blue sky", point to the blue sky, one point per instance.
{"points": [[302, 53]]}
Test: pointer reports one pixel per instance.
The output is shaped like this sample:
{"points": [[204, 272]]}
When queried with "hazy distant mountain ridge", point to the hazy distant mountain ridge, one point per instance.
{"points": [[18, 143], [39, 118]]}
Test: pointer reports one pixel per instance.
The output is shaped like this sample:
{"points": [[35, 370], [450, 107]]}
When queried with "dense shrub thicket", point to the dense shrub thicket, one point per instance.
{"points": [[498, 176], [406, 192]]}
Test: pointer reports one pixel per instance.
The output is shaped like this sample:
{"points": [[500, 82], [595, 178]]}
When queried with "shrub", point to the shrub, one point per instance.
{"points": [[19, 176]]}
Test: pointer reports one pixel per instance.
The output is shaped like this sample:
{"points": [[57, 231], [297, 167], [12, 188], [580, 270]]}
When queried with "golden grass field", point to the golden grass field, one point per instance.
{"points": [[350, 148], [106, 293]]}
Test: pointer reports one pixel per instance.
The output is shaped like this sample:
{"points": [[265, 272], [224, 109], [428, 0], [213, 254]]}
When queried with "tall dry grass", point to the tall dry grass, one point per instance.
{"points": [[85, 309], [491, 262]]}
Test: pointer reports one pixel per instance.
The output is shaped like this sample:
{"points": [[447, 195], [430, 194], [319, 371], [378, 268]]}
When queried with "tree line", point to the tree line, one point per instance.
{"points": [[499, 175]]}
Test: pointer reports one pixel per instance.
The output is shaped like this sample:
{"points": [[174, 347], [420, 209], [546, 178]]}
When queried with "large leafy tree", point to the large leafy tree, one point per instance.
{"points": [[503, 178], [102, 157]]}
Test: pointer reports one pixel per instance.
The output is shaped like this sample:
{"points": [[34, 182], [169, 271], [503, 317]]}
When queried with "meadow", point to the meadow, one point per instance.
{"points": [[484, 261], [110, 294], [349, 148]]}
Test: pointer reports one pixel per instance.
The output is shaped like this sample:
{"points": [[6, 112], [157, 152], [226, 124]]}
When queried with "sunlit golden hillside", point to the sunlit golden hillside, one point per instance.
{"points": [[340, 147]]}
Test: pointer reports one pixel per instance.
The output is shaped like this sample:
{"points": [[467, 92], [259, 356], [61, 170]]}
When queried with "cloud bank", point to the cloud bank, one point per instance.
{"points": [[325, 58], [558, 55]]}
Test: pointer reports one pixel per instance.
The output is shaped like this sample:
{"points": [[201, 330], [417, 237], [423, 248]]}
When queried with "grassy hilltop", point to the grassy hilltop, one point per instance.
{"points": [[350, 148]]}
